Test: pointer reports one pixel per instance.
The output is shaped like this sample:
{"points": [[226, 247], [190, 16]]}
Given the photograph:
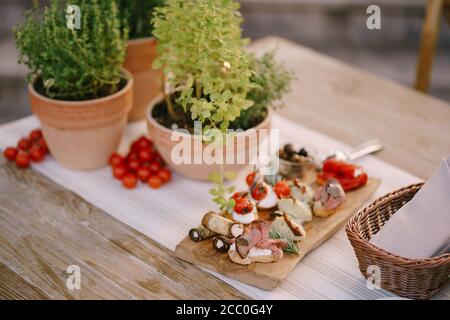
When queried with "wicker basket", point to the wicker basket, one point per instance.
{"points": [[410, 278]]}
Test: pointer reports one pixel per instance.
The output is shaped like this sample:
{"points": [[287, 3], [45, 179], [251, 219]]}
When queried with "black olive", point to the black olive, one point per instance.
{"points": [[303, 152], [289, 149]]}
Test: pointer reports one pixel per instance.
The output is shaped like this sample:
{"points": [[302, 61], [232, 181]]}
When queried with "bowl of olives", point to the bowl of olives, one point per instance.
{"points": [[297, 162]]}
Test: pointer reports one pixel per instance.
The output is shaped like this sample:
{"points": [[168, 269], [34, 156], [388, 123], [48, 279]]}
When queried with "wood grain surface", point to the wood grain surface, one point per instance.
{"points": [[44, 228], [269, 276]]}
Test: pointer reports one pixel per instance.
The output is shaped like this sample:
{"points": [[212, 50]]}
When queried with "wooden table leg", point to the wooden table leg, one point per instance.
{"points": [[428, 44], [447, 10]]}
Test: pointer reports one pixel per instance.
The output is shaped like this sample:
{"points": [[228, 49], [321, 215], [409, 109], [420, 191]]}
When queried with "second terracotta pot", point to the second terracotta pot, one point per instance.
{"points": [[165, 142], [82, 135], [147, 82]]}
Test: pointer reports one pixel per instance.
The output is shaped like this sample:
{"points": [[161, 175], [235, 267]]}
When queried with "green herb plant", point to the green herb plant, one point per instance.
{"points": [[221, 193], [210, 76], [136, 16], [78, 64], [271, 82], [202, 56]]}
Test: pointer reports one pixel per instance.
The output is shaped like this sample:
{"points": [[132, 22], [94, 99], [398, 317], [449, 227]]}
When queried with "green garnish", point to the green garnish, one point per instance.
{"points": [[292, 247]]}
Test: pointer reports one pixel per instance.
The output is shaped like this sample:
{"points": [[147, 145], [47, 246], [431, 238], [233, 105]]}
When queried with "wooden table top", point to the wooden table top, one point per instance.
{"points": [[45, 228]]}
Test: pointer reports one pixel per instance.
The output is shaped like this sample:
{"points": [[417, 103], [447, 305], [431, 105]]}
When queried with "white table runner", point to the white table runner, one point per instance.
{"points": [[166, 215]]}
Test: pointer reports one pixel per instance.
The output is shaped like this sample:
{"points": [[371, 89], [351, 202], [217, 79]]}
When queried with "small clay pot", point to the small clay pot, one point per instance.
{"points": [[147, 81], [82, 135], [162, 138]]}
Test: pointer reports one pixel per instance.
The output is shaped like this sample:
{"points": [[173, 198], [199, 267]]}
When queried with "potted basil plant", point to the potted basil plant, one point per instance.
{"points": [[77, 86]]}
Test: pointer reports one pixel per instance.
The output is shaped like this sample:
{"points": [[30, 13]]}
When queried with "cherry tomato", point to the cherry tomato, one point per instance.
{"points": [[133, 165], [24, 144], [259, 192], [143, 174], [141, 143], [133, 155], [157, 157], [145, 164], [37, 154], [42, 144], [145, 155], [134, 146], [116, 159], [282, 189], [35, 135], [238, 195], [165, 175], [155, 166], [250, 178], [243, 206], [129, 181], [155, 182], [23, 160], [119, 171], [10, 153]]}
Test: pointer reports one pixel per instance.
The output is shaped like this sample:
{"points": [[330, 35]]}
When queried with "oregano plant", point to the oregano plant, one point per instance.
{"points": [[210, 77], [222, 193], [70, 63], [203, 58]]}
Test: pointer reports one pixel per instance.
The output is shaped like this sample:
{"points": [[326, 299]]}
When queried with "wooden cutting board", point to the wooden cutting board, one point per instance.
{"points": [[268, 276]]}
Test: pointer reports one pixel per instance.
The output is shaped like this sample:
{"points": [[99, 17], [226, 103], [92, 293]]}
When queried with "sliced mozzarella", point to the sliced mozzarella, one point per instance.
{"points": [[269, 201]]}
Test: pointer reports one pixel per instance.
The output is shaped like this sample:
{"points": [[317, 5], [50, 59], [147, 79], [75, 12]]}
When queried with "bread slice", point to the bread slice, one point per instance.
{"points": [[320, 211], [255, 255]]}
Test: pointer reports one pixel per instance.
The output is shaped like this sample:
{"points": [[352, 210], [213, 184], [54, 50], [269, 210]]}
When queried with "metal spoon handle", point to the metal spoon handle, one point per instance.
{"points": [[365, 144], [365, 149]]}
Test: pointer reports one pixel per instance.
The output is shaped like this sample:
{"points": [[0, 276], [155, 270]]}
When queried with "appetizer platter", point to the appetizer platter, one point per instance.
{"points": [[274, 222]]}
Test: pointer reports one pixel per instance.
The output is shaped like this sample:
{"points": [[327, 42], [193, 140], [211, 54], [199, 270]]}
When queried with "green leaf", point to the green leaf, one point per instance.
{"points": [[230, 175], [157, 64]]}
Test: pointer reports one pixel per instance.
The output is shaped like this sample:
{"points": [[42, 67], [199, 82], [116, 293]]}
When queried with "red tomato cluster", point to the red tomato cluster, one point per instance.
{"points": [[351, 177], [142, 163], [29, 149]]}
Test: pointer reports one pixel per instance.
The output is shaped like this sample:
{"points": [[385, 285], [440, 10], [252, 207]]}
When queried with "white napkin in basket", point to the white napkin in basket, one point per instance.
{"points": [[421, 228]]}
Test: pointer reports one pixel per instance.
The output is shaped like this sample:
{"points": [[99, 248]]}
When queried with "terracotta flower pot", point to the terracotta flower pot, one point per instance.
{"points": [[147, 82], [162, 138], [82, 135]]}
